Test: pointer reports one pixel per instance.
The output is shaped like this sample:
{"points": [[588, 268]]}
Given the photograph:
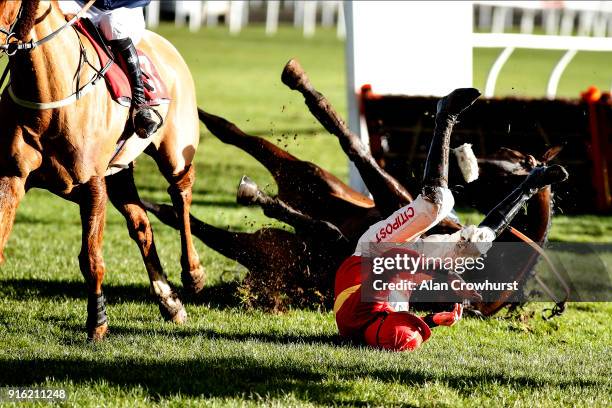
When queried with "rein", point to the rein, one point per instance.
{"points": [[11, 48], [559, 307]]}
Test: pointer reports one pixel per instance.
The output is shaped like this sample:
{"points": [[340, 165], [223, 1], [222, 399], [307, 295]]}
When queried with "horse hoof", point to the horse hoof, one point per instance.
{"points": [[172, 310], [193, 281], [247, 191], [180, 317], [97, 334], [458, 101]]}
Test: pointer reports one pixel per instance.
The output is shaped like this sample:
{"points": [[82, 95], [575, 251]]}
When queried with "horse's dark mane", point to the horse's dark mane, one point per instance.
{"points": [[27, 19]]}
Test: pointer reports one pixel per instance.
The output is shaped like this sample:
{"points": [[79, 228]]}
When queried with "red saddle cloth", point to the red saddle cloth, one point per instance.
{"points": [[116, 80]]}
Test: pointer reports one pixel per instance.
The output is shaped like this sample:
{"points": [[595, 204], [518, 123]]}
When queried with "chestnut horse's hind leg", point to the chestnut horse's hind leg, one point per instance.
{"points": [[180, 191], [93, 213], [302, 185], [388, 193], [266, 248], [124, 196], [250, 194]]}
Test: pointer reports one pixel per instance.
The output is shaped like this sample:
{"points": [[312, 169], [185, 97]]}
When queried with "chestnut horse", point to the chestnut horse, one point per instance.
{"points": [[66, 147]]}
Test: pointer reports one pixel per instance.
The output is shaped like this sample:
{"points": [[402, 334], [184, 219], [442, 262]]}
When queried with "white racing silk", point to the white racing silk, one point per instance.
{"points": [[114, 24]]}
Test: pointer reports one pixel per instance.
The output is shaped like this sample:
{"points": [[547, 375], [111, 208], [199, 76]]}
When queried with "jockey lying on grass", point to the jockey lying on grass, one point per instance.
{"points": [[122, 23], [389, 325]]}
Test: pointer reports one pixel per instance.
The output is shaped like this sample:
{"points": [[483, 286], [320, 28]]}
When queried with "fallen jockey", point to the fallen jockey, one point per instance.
{"points": [[389, 325], [122, 24]]}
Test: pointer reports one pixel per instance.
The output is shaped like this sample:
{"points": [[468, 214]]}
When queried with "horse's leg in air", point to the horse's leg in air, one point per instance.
{"points": [[250, 194], [124, 196], [93, 213], [271, 156], [263, 248], [302, 185], [388, 193], [447, 113]]}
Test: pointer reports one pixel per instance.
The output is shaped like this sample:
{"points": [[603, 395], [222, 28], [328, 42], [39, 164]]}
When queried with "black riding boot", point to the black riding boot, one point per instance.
{"points": [[448, 110], [500, 217], [144, 118]]}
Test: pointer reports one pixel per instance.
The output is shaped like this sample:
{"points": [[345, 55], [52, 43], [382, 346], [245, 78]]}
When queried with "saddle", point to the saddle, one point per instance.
{"points": [[114, 75], [129, 146]]}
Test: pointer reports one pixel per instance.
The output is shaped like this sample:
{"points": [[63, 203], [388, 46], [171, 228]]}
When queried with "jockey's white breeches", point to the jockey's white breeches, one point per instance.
{"points": [[114, 24], [408, 223], [411, 221]]}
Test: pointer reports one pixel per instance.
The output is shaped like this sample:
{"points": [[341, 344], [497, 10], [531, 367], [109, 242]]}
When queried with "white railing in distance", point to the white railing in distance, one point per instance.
{"points": [[509, 42]]}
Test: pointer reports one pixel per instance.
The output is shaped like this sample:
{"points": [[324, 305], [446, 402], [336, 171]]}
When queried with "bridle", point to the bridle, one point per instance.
{"points": [[10, 48], [559, 307], [7, 48]]}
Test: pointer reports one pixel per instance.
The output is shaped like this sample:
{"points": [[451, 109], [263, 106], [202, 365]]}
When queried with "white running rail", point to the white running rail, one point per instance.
{"points": [[509, 42]]}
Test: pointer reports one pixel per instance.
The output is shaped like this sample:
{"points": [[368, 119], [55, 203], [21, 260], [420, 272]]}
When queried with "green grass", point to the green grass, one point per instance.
{"points": [[527, 71], [230, 356]]}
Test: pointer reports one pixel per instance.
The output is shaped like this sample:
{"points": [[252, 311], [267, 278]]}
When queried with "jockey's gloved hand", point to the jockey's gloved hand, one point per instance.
{"points": [[445, 318]]}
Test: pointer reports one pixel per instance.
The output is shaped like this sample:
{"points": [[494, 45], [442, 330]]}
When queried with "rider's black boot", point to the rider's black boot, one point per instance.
{"points": [[500, 217], [144, 118], [448, 110]]}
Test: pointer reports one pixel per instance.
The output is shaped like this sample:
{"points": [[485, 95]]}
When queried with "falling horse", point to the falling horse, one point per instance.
{"points": [[63, 140], [329, 216]]}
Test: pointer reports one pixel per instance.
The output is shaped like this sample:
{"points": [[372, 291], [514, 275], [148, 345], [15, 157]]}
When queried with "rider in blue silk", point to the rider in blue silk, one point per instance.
{"points": [[115, 4]]}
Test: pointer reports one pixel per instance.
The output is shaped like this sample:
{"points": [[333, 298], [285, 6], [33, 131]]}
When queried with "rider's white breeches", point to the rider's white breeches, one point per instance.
{"points": [[411, 221], [114, 24], [408, 224]]}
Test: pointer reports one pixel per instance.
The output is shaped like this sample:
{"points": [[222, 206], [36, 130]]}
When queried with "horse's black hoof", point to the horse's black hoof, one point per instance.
{"points": [[458, 101], [247, 191]]}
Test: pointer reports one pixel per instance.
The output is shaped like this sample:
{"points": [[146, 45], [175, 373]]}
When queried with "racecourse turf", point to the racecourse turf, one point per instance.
{"points": [[226, 355]]}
